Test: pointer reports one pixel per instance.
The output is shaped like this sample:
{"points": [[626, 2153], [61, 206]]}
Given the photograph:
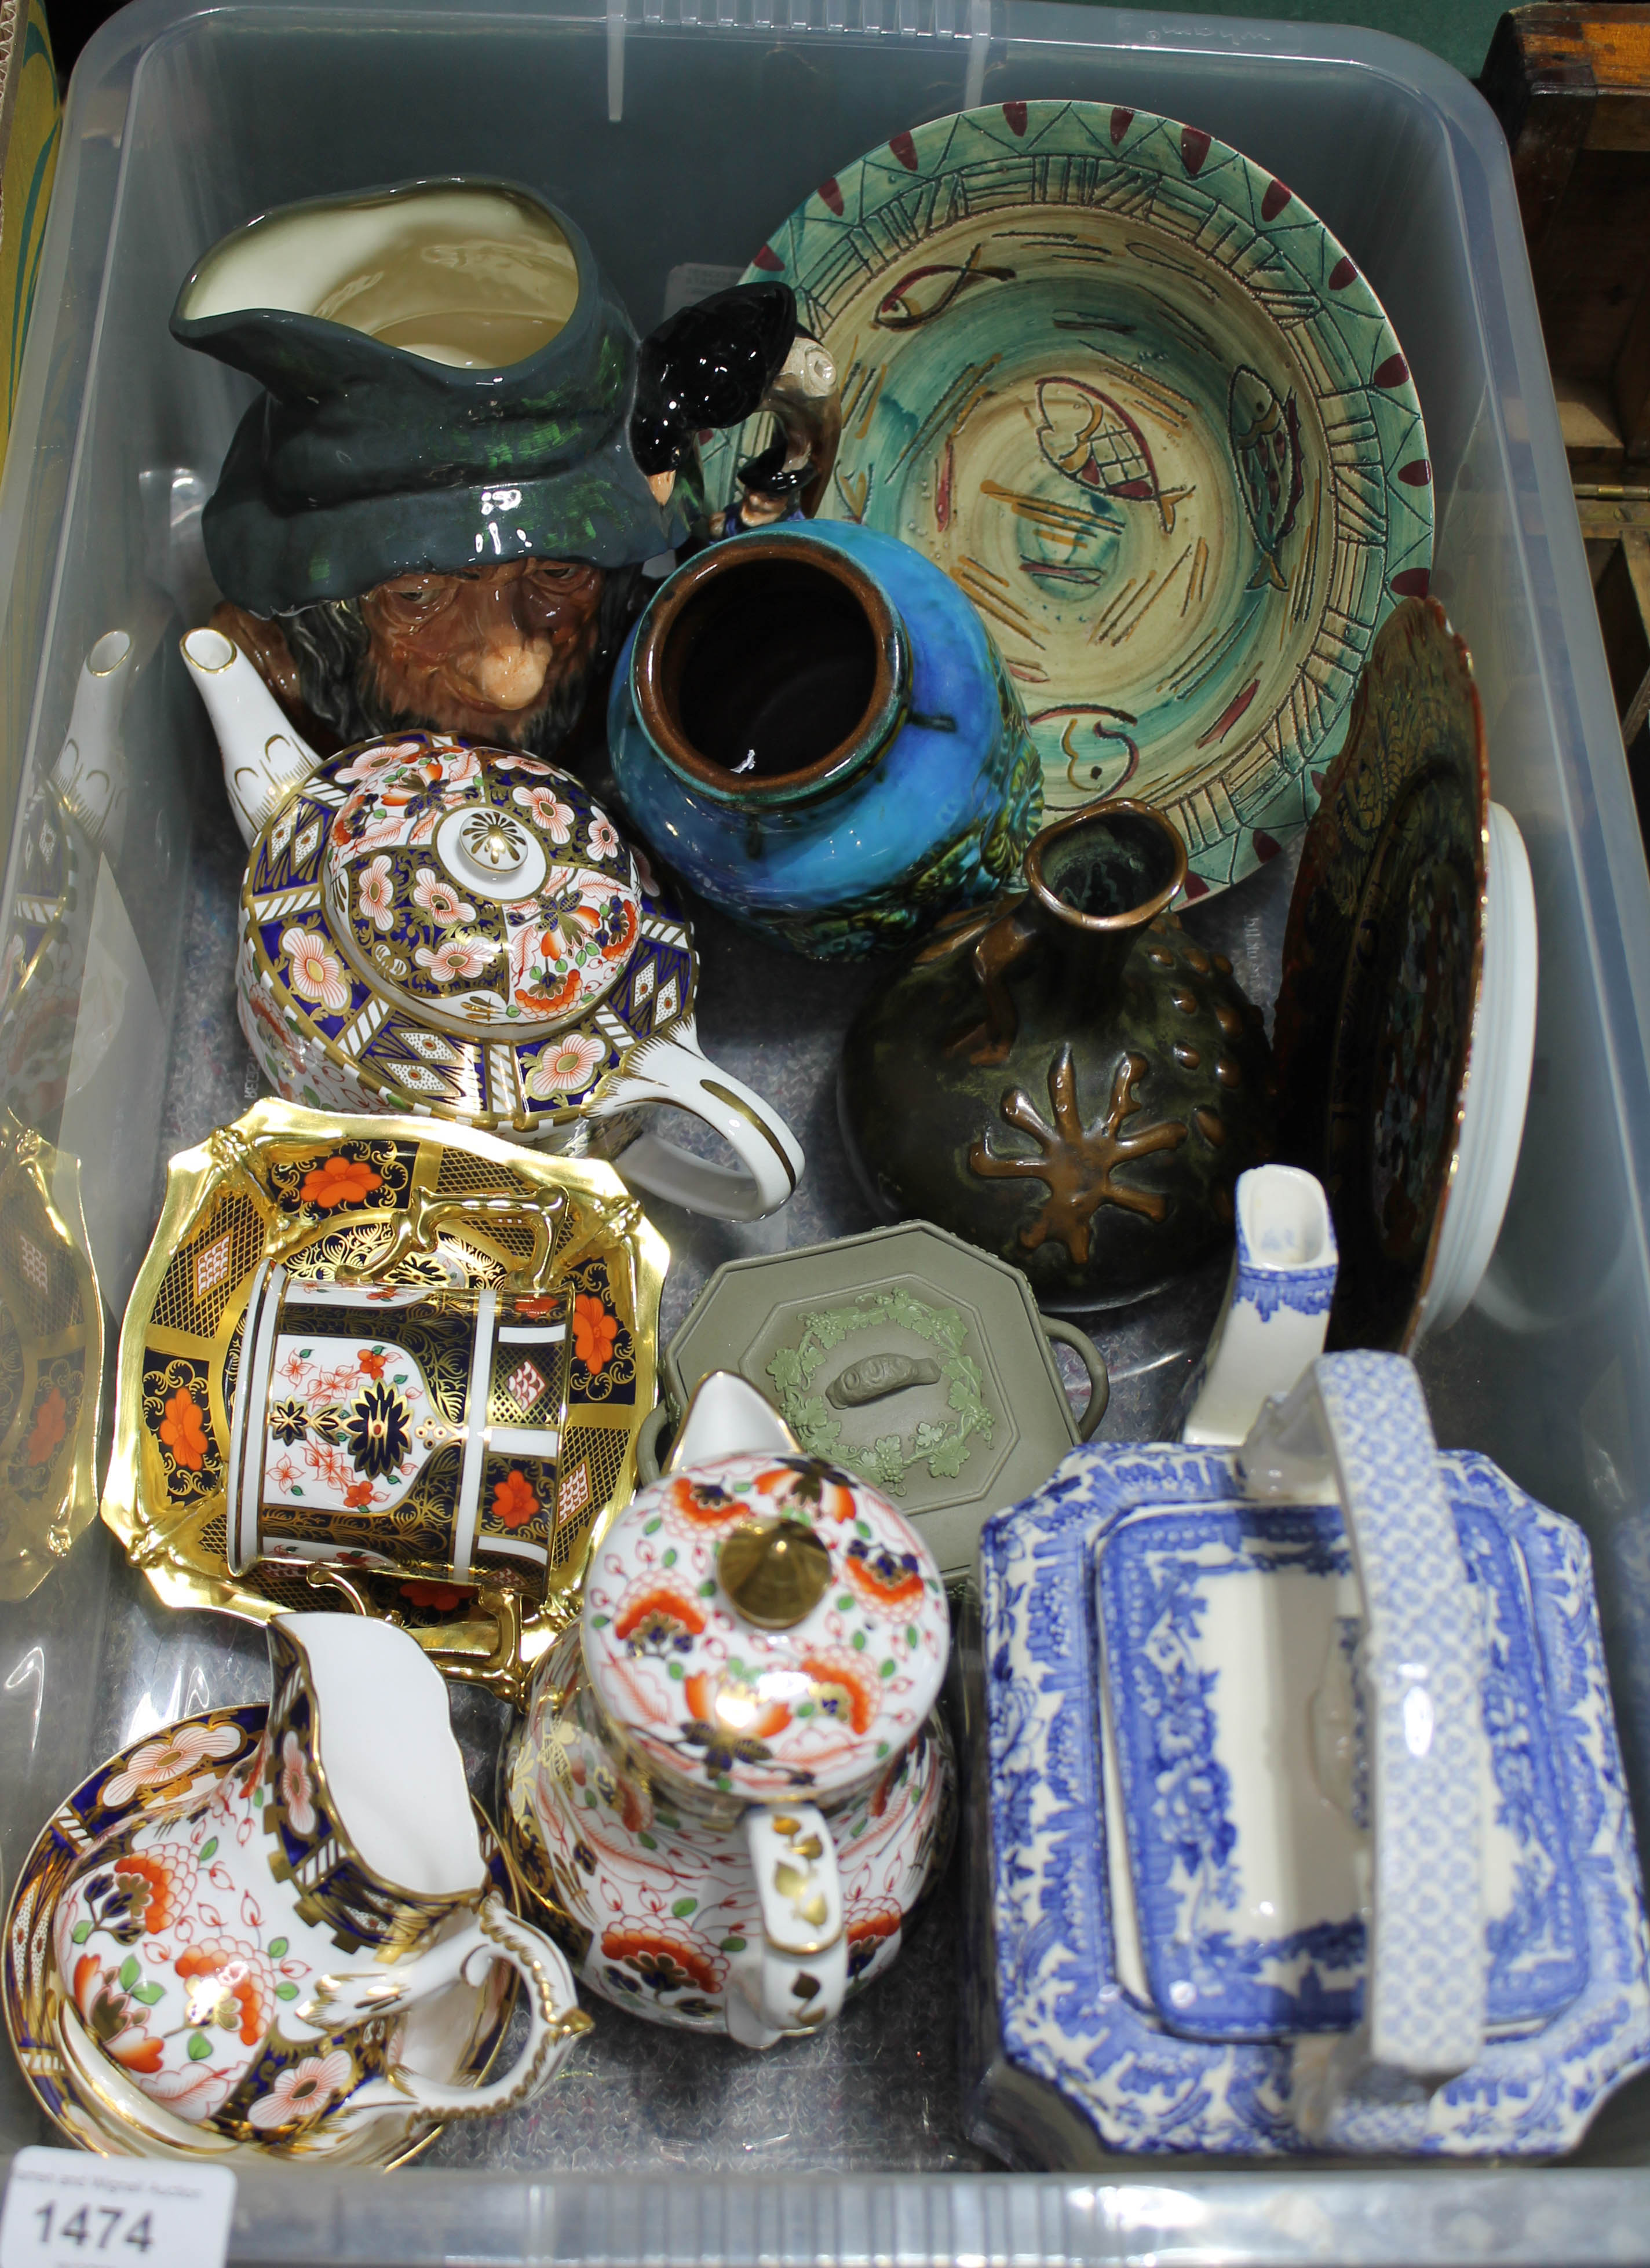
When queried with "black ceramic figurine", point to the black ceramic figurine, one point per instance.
{"points": [[435, 512], [1064, 1077]]}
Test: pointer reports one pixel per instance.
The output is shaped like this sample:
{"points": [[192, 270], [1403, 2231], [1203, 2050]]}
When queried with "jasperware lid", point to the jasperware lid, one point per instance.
{"points": [[765, 1626]]}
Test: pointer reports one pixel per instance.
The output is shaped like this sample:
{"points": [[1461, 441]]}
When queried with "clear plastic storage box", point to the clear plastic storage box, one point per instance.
{"points": [[679, 132]]}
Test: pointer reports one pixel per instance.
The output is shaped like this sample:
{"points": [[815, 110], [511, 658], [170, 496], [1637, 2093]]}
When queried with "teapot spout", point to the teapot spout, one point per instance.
{"points": [[265, 760], [727, 1418]]}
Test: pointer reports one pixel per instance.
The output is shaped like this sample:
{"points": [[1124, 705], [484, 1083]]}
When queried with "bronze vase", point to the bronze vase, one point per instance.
{"points": [[1066, 1078]]}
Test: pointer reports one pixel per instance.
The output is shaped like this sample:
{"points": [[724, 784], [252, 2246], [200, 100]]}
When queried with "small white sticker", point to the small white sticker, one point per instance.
{"points": [[63, 2210]]}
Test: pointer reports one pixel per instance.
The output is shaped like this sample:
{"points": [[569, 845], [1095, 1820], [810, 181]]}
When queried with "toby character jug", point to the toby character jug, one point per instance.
{"points": [[732, 1787], [248, 1960], [437, 510]]}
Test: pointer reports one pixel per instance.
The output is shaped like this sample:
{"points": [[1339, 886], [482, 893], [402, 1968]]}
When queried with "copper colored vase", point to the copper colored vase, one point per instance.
{"points": [[1065, 1078]]}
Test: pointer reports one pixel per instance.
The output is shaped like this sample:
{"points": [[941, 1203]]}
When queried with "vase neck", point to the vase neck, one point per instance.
{"points": [[770, 672], [1097, 879]]}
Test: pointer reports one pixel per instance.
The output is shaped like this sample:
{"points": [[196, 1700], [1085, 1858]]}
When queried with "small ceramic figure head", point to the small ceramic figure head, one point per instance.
{"points": [[434, 515]]}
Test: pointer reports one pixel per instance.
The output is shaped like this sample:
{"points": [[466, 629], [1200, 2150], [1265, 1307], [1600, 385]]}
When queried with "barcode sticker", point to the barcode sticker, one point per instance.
{"points": [[63, 2210]]}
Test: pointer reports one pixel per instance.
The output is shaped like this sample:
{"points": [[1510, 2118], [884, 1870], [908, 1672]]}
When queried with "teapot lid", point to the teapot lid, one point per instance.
{"points": [[478, 889], [765, 1626], [463, 924]]}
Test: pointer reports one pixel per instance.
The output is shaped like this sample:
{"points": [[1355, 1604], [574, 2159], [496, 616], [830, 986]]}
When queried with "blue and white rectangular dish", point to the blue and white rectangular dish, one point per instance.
{"points": [[1154, 1784]]}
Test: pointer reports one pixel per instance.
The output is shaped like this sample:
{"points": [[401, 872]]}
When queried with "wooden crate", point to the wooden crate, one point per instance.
{"points": [[1572, 88]]}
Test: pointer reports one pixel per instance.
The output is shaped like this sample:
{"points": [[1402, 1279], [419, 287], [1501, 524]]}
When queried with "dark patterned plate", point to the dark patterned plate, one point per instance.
{"points": [[1383, 966]]}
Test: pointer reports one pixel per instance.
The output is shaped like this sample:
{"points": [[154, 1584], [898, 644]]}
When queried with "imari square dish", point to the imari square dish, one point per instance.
{"points": [[406, 1201], [453, 2040], [1133, 396], [1308, 1823]]}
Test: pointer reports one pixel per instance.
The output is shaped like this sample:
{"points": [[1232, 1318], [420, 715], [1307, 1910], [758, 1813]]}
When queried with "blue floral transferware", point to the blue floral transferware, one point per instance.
{"points": [[1254, 1694], [814, 726], [1276, 1311]]}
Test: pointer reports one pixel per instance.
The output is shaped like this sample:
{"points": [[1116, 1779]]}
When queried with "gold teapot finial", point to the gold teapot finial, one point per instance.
{"points": [[774, 1571]]}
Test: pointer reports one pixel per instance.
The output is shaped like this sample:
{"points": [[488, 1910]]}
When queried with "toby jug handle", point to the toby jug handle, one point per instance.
{"points": [[1356, 1428], [793, 1980], [671, 1068]]}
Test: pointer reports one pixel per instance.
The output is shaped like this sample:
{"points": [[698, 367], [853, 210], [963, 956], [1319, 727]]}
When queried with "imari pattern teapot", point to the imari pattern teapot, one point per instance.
{"points": [[732, 1788], [436, 926]]}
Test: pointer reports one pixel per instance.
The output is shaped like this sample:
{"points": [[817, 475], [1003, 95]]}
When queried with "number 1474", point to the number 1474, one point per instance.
{"points": [[95, 2227]]}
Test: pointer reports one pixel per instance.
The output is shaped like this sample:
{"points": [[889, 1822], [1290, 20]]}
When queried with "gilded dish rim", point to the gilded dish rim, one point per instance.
{"points": [[103, 2123]]}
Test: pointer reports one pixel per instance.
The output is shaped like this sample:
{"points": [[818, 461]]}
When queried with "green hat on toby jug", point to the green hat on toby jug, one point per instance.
{"points": [[434, 513]]}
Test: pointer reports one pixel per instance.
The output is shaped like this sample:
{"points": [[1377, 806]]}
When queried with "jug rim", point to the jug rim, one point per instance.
{"points": [[421, 1910]]}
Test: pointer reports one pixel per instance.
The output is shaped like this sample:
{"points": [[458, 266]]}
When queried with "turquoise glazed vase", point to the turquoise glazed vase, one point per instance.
{"points": [[813, 727]]}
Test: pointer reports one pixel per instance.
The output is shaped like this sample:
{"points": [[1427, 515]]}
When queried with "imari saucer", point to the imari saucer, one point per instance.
{"points": [[417, 1202], [453, 2038]]}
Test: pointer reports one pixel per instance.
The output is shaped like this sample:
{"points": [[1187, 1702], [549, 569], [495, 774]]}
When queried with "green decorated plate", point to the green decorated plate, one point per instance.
{"points": [[1141, 405]]}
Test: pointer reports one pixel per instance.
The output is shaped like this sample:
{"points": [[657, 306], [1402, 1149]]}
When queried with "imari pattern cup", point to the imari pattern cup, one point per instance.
{"points": [[389, 1425]]}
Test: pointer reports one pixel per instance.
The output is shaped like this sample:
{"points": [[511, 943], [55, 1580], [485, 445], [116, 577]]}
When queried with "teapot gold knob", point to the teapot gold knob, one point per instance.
{"points": [[776, 1572]]}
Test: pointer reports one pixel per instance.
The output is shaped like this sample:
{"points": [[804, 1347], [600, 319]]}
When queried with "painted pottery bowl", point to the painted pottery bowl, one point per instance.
{"points": [[1406, 1016], [1133, 396], [814, 726], [429, 925]]}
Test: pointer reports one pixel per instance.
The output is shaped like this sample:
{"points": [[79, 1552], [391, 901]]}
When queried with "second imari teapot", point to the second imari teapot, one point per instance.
{"points": [[732, 1788]]}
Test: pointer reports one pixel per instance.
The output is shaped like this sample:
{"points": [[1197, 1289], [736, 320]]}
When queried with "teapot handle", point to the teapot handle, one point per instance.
{"points": [[1356, 1426], [672, 1069], [794, 1980], [554, 2019]]}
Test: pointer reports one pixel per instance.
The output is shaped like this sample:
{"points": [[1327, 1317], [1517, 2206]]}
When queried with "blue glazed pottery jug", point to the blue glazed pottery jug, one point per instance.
{"points": [[815, 728]]}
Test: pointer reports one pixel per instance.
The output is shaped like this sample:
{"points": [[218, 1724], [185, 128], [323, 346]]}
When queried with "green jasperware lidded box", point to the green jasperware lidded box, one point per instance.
{"points": [[907, 1357]]}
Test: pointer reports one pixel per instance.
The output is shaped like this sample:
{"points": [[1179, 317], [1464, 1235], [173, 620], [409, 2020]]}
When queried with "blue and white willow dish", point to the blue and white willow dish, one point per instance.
{"points": [[1187, 1736]]}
